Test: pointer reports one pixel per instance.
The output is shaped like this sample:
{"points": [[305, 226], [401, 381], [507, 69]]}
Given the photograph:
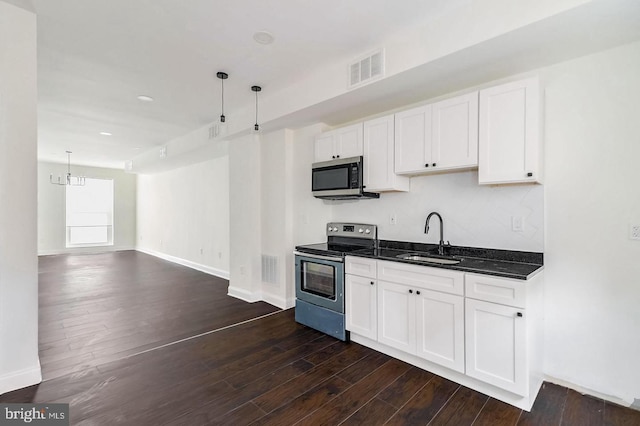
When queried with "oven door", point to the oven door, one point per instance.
{"points": [[320, 281]]}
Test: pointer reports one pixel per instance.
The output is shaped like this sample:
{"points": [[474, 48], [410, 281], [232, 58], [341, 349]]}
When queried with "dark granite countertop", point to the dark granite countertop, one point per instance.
{"points": [[501, 263]]}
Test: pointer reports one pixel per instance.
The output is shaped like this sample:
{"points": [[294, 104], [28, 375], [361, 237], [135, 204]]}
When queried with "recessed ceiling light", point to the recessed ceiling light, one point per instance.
{"points": [[145, 98], [106, 134], [263, 37]]}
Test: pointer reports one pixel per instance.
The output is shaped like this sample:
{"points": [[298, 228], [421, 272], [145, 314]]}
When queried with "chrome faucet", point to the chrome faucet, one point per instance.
{"points": [[426, 230]]}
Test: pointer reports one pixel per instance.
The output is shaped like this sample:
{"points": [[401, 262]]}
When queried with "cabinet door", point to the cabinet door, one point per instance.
{"points": [[348, 141], [440, 328], [396, 316], [379, 174], [509, 146], [496, 345], [361, 306], [455, 132], [413, 140], [324, 147]]}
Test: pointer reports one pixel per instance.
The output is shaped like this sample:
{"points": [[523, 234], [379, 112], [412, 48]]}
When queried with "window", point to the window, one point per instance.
{"points": [[90, 213]]}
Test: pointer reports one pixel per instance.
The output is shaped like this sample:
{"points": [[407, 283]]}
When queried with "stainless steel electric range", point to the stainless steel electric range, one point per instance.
{"points": [[320, 276]]}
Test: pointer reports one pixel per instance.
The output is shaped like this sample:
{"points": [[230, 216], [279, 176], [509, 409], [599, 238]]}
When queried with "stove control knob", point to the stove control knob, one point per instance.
{"points": [[361, 230], [335, 229], [367, 231]]}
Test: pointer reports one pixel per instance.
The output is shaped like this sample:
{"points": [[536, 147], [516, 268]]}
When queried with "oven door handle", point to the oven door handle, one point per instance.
{"points": [[316, 256]]}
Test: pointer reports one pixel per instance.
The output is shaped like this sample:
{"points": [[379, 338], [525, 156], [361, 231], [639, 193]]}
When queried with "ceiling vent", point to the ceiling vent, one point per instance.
{"points": [[366, 69]]}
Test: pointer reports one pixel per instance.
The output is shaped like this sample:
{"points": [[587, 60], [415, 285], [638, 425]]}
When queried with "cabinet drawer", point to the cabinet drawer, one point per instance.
{"points": [[422, 276], [360, 266], [497, 290]]}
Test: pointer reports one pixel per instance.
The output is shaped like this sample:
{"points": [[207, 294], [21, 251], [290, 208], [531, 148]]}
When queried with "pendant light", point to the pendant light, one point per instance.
{"points": [[70, 180], [256, 89], [222, 76]]}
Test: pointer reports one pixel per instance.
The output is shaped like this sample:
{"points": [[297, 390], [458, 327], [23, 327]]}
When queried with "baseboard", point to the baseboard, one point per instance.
{"points": [[591, 392], [242, 294], [84, 250], [279, 302], [193, 265], [20, 379]]}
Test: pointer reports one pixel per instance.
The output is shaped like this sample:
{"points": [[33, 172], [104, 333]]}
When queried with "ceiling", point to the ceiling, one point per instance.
{"points": [[95, 57]]}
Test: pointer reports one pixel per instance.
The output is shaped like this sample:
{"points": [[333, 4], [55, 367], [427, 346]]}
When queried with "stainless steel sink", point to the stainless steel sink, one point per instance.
{"points": [[429, 259]]}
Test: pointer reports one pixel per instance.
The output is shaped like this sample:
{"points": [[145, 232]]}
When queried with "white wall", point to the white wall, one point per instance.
{"points": [[245, 224], [474, 215], [19, 363], [51, 208], [276, 185], [183, 215], [592, 195], [309, 213]]}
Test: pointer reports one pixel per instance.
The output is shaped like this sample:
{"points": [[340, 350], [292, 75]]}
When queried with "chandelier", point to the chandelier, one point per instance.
{"points": [[70, 180]]}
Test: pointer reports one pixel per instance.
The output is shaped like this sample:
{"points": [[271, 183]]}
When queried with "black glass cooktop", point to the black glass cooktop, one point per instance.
{"points": [[332, 249]]}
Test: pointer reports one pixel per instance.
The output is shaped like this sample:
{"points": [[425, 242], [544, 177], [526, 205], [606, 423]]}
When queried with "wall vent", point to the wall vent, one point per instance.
{"points": [[214, 131], [269, 269], [366, 69]]}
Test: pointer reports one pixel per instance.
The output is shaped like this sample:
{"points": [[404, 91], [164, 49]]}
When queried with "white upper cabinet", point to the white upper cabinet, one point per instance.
{"points": [[379, 174], [509, 140], [437, 137], [455, 133], [413, 140], [344, 142]]}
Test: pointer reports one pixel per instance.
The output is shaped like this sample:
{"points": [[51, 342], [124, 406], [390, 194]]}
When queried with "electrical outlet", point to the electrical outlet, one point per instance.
{"points": [[634, 232], [393, 219], [517, 223]]}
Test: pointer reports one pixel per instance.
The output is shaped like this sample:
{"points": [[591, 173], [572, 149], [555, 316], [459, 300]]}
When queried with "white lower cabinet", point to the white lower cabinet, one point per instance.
{"points": [[496, 345], [397, 316], [440, 329], [422, 322], [361, 309], [485, 330]]}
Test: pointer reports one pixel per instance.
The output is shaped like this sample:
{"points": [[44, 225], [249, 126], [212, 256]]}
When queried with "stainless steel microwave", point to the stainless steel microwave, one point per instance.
{"points": [[339, 179]]}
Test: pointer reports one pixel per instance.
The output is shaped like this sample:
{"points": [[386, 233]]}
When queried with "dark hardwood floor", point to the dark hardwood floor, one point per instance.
{"points": [[111, 330]]}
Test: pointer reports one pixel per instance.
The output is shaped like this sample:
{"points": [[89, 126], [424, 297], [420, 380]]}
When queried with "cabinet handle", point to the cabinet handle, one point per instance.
{"points": [[371, 282], [426, 165], [519, 314], [434, 164], [418, 292], [529, 174], [410, 291]]}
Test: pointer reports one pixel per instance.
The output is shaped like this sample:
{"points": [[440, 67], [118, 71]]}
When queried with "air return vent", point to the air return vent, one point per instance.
{"points": [[214, 131], [269, 269], [366, 69]]}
